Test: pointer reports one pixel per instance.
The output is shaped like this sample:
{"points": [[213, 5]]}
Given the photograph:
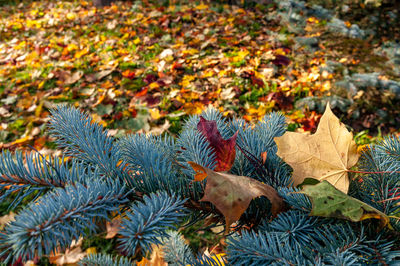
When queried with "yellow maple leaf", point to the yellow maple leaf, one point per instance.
{"points": [[240, 56], [195, 108], [326, 155], [91, 250], [71, 16], [81, 53], [190, 51], [219, 258], [186, 80], [154, 85], [201, 6], [136, 41], [155, 114]]}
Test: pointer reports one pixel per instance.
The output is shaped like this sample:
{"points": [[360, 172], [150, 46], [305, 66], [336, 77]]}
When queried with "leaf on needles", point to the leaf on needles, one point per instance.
{"points": [[325, 155], [232, 194], [113, 227], [4, 220], [157, 258], [224, 149], [327, 201], [73, 254]]}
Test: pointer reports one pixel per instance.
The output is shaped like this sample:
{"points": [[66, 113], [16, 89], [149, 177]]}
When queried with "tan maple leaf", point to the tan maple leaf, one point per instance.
{"points": [[326, 155], [73, 254], [113, 227], [4, 220]]}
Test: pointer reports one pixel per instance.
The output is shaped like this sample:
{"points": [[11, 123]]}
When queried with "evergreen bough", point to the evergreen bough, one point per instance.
{"points": [[148, 181]]}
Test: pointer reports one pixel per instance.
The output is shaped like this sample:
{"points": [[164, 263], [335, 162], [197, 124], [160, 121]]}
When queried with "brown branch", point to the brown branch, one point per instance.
{"points": [[16, 179]]}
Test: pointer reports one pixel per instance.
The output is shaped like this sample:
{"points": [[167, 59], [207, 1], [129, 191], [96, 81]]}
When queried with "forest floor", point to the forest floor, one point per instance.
{"points": [[145, 67]]}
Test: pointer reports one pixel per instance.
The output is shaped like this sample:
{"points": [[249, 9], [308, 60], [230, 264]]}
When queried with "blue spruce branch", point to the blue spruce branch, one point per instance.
{"points": [[84, 139], [147, 222], [105, 260], [262, 249], [61, 216], [29, 173], [292, 227], [176, 251]]}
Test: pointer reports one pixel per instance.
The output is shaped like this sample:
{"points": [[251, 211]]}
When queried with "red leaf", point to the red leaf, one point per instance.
{"points": [[150, 78], [128, 74], [257, 81], [224, 149], [281, 60]]}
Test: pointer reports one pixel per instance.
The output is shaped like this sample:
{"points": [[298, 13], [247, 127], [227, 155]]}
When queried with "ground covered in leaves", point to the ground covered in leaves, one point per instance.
{"points": [[144, 67]]}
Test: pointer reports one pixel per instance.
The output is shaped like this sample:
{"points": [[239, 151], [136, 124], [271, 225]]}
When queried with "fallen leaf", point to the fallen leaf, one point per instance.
{"points": [[327, 201], [219, 259], [91, 250], [128, 74], [156, 258], [100, 100], [166, 53], [281, 60], [6, 219], [71, 16], [155, 114], [99, 75], [22, 140], [113, 227], [30, 263], [224, 149], [325, 155], [232, 194], [73, 254], [161, 129], [71, 79]]}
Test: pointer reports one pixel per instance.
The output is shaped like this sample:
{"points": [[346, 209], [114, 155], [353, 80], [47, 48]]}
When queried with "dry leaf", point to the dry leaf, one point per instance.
{"points": [[72, 255], [232, 194], [71, 79], [155, 260], [325, 155], [6, 219], [113, 227], [219, 259], [99, 75]]}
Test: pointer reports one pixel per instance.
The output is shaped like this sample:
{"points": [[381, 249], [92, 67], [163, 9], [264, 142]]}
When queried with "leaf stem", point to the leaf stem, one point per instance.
{"points": [[379, 172]]}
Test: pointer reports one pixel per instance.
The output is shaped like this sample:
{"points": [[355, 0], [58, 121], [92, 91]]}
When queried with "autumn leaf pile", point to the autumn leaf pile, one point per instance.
{"points": [[142, 66]]}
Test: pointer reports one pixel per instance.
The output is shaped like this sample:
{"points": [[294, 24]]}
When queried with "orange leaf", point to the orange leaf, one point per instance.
{"points": [[200, 173], [142, 92], [232, 194], [100, 100]]}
